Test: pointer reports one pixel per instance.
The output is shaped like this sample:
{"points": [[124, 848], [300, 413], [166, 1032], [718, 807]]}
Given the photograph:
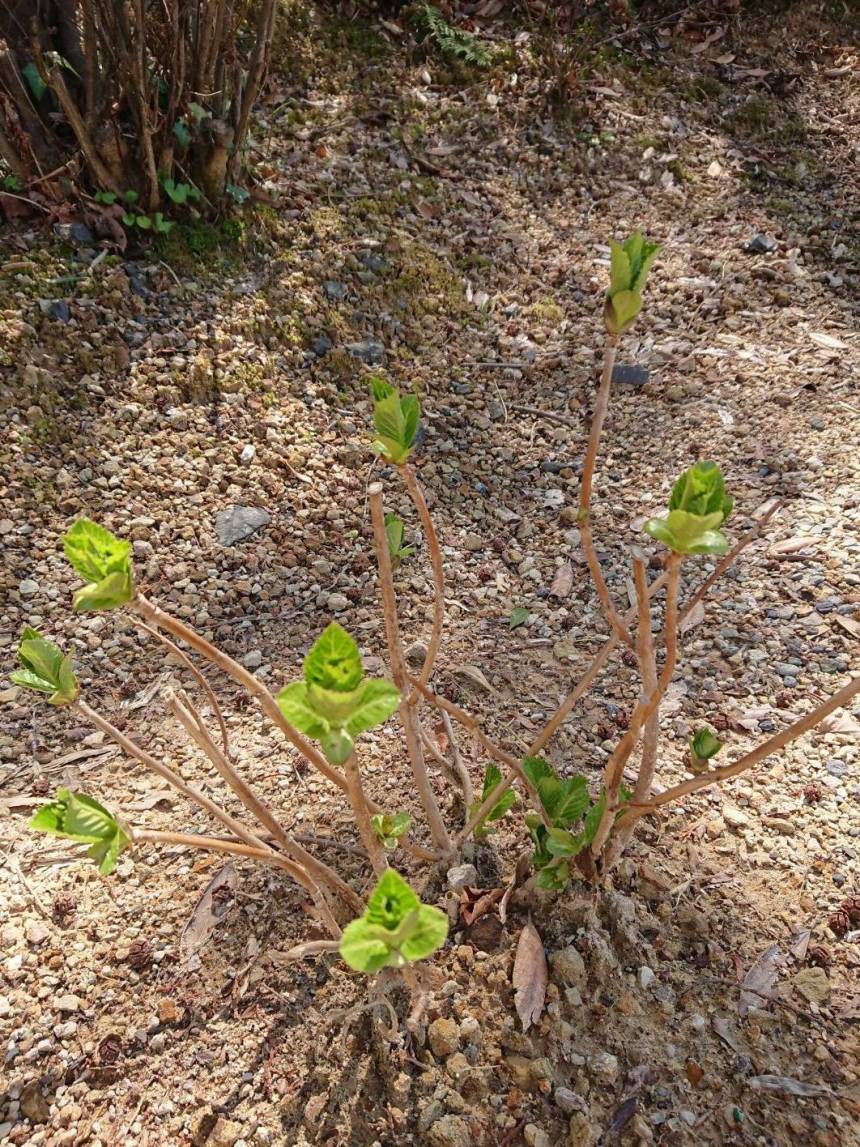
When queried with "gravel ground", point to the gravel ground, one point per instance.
{"points": [[453, 237]]}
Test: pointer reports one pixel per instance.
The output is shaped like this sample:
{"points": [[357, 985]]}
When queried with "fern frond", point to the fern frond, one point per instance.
{"points": [[451, 43]]}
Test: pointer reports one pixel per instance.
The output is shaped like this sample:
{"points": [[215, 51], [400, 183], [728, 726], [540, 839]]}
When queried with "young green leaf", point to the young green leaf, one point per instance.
{"points": [[630, 262], [703, 746], [536, 769], [334, 661], [593, 817], [395, 929], [198, 111], [506, 801], [45, 669], [394, 533], [294, 704], [553, 877], [389, 829], [519, 616], [689, 533], [76, 816], [395, 420], [106, 197], [102, 560], [701, 490], [564, 802], [376, 702]]}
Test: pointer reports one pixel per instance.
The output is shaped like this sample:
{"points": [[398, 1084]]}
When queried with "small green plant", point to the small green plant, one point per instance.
{"points": [[179, 193], [519, 616], [629, 266], [394, 529], [11, 182], [104, 562], [451, 43], [703, 746], [334, 703], [45, 669], [492, 776], [395, 420], [698, 505], [76, 816], [395, 929], [390, 828]]}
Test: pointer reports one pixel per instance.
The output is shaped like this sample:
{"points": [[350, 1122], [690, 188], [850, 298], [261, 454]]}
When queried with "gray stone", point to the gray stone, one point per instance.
{"points": [[335, 290], [253, 659], [321, 345], [734, 818], [630, 375], [28, 587], [370, 351], [239, 522], [248, 454], [337, 602], [73, 232], [604, 1065], [55, 309], [568, 1101], [462, 876], [761, 244]]}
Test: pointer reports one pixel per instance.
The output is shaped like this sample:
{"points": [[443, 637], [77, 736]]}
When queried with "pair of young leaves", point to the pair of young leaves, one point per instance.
{"points": [[334, 702], [630, 262], [395, 928], [76, 816], [698, 506], [565, 803]]}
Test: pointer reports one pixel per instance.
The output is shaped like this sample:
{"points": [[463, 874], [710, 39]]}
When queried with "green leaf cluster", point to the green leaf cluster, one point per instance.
{"points": [[506, 801], [630, 262], [698, 506], [452, 43], [396, 928], [179, 193], [390, 828], [334, 702], [394, 533], [395, 421], [79, 817], [104, 562], [45, 669], [566, 803], [703, 745]]}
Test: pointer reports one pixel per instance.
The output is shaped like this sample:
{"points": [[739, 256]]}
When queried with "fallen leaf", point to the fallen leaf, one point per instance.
{"points": [[150, 800], [529, 976], [694, 1072], [209, 909], [799, 945], [791, 546], [849, 624], [760, 979], [840, 723], [519, 616], [695, 617], [721, 1026], [786, 1084], [622, 1116], [827, 341], [562, 583], [473, 674]]}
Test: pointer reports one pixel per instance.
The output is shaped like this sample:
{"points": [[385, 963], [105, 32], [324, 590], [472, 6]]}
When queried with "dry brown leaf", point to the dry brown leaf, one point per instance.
{"points": [[695, 617], [800, 944], [760, 979], [827, 341], [562, 583], [840, 723], [473, 674], [529, 976], [212, 906], [791, 546], [849, 624]]}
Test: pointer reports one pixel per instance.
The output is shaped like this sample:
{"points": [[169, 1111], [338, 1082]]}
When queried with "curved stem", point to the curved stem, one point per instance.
{"points": [[234, 848], [600, 408], [408, 716], [195, 672], [616, 622], [766, 749], [199, 734], [420, 503], [362, 817]]}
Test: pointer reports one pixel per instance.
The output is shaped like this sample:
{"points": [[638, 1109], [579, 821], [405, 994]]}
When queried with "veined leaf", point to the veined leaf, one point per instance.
{"points": [[492, 777], [45, 668], [334, 661], [536, 768], [294, 704], [396, 928], [79, 817], [95, 552], [389, 829], [375, 704]]}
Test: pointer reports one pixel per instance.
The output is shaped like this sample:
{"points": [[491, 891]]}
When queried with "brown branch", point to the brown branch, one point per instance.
{"points": [[766, 749], [196, 673], [420, 503], [193, 725], [460, 769], [256, 71], [362, 817], [408, 716], [616, 622], [600, 408], [615, 765]]}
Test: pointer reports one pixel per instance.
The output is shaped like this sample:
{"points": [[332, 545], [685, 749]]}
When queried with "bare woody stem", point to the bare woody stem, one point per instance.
{"points": [[417, 496], [643, 711], [604, 653], [182, 656], [515, 771], [600, 408], [362, 817], [199, 734], [161, 620], [766, 749], [408, 716], [236, 848], [650, 737]]}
